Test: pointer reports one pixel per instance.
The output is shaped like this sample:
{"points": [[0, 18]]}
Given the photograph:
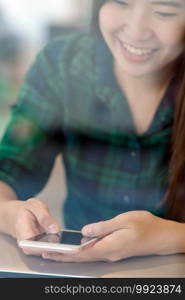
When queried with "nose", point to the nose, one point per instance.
{"points": [[138, 26]]}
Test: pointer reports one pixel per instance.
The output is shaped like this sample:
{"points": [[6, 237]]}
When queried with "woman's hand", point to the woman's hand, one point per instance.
{"points": [[32, 217], [134, 233]]}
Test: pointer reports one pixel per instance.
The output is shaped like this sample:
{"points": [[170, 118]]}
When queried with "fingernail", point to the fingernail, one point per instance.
{"points": [[88, 230], [53, 228]]}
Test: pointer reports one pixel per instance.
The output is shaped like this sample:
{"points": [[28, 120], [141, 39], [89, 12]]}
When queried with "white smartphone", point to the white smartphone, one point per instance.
{"points": [[63, 241]]}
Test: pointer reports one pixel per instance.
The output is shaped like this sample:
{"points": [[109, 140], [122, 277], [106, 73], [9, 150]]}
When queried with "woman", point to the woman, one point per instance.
{"points": [[136, 55]]}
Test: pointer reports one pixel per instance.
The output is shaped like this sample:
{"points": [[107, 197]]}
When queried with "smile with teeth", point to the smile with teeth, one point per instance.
{"points": [[137, 51]]}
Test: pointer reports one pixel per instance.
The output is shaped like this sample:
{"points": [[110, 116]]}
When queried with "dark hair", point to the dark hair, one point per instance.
{"points": [[95, 16], [174, 199], [175, 195]]}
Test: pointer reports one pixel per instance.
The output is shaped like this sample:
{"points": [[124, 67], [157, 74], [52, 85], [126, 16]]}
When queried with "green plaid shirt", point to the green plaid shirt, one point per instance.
{"points": [[71, 103]]}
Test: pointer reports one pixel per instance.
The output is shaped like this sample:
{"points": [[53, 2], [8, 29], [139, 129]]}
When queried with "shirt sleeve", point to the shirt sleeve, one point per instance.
{"points": [[34, 136]]}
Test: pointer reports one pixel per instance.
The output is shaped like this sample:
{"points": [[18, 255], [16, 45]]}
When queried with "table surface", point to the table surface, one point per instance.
{"points": [[13, 261]]}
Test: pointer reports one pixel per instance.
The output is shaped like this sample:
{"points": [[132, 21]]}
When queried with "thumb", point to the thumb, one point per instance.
{"points": [[102, 228], [50, 224]]}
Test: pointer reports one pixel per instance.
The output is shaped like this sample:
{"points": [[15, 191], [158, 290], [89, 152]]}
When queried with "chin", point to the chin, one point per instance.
{"points": [[137, 70]]}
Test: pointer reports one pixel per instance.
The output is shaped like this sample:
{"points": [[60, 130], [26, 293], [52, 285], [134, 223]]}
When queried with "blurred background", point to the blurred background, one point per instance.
{"points": [[25, 27]]}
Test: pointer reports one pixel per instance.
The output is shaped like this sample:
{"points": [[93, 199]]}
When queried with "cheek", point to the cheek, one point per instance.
{"points": [[108, 19], [172, 37]]}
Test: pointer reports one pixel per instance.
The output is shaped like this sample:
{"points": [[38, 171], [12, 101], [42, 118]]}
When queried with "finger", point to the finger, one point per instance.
{"points": [[103, 228], [43, 215], [97, 252], [61, 257]]}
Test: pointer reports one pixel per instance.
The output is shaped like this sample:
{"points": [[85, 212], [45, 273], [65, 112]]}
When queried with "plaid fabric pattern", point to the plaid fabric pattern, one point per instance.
{"points": [[70, 103]]}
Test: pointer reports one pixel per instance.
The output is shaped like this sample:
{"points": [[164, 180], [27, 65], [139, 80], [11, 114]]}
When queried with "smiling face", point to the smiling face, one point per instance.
{"points": [[144, 36]]}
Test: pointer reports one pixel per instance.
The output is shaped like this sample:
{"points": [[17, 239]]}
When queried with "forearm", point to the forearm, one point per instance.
{"points": [[8, 205]]}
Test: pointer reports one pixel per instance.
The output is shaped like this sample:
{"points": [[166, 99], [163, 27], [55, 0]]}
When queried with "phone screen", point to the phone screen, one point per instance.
{"points": [[62, 237]]}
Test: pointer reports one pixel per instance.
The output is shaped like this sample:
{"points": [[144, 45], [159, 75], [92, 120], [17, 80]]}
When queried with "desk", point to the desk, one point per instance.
{"points": [[13, 261]]}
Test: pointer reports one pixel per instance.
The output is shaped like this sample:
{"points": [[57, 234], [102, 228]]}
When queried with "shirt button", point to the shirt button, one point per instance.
{"points": [[133, 154], [126, 198]]}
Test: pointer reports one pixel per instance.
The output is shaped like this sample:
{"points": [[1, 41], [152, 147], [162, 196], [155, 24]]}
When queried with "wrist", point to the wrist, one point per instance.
{"points": [[175, 238], [180, 236]]}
